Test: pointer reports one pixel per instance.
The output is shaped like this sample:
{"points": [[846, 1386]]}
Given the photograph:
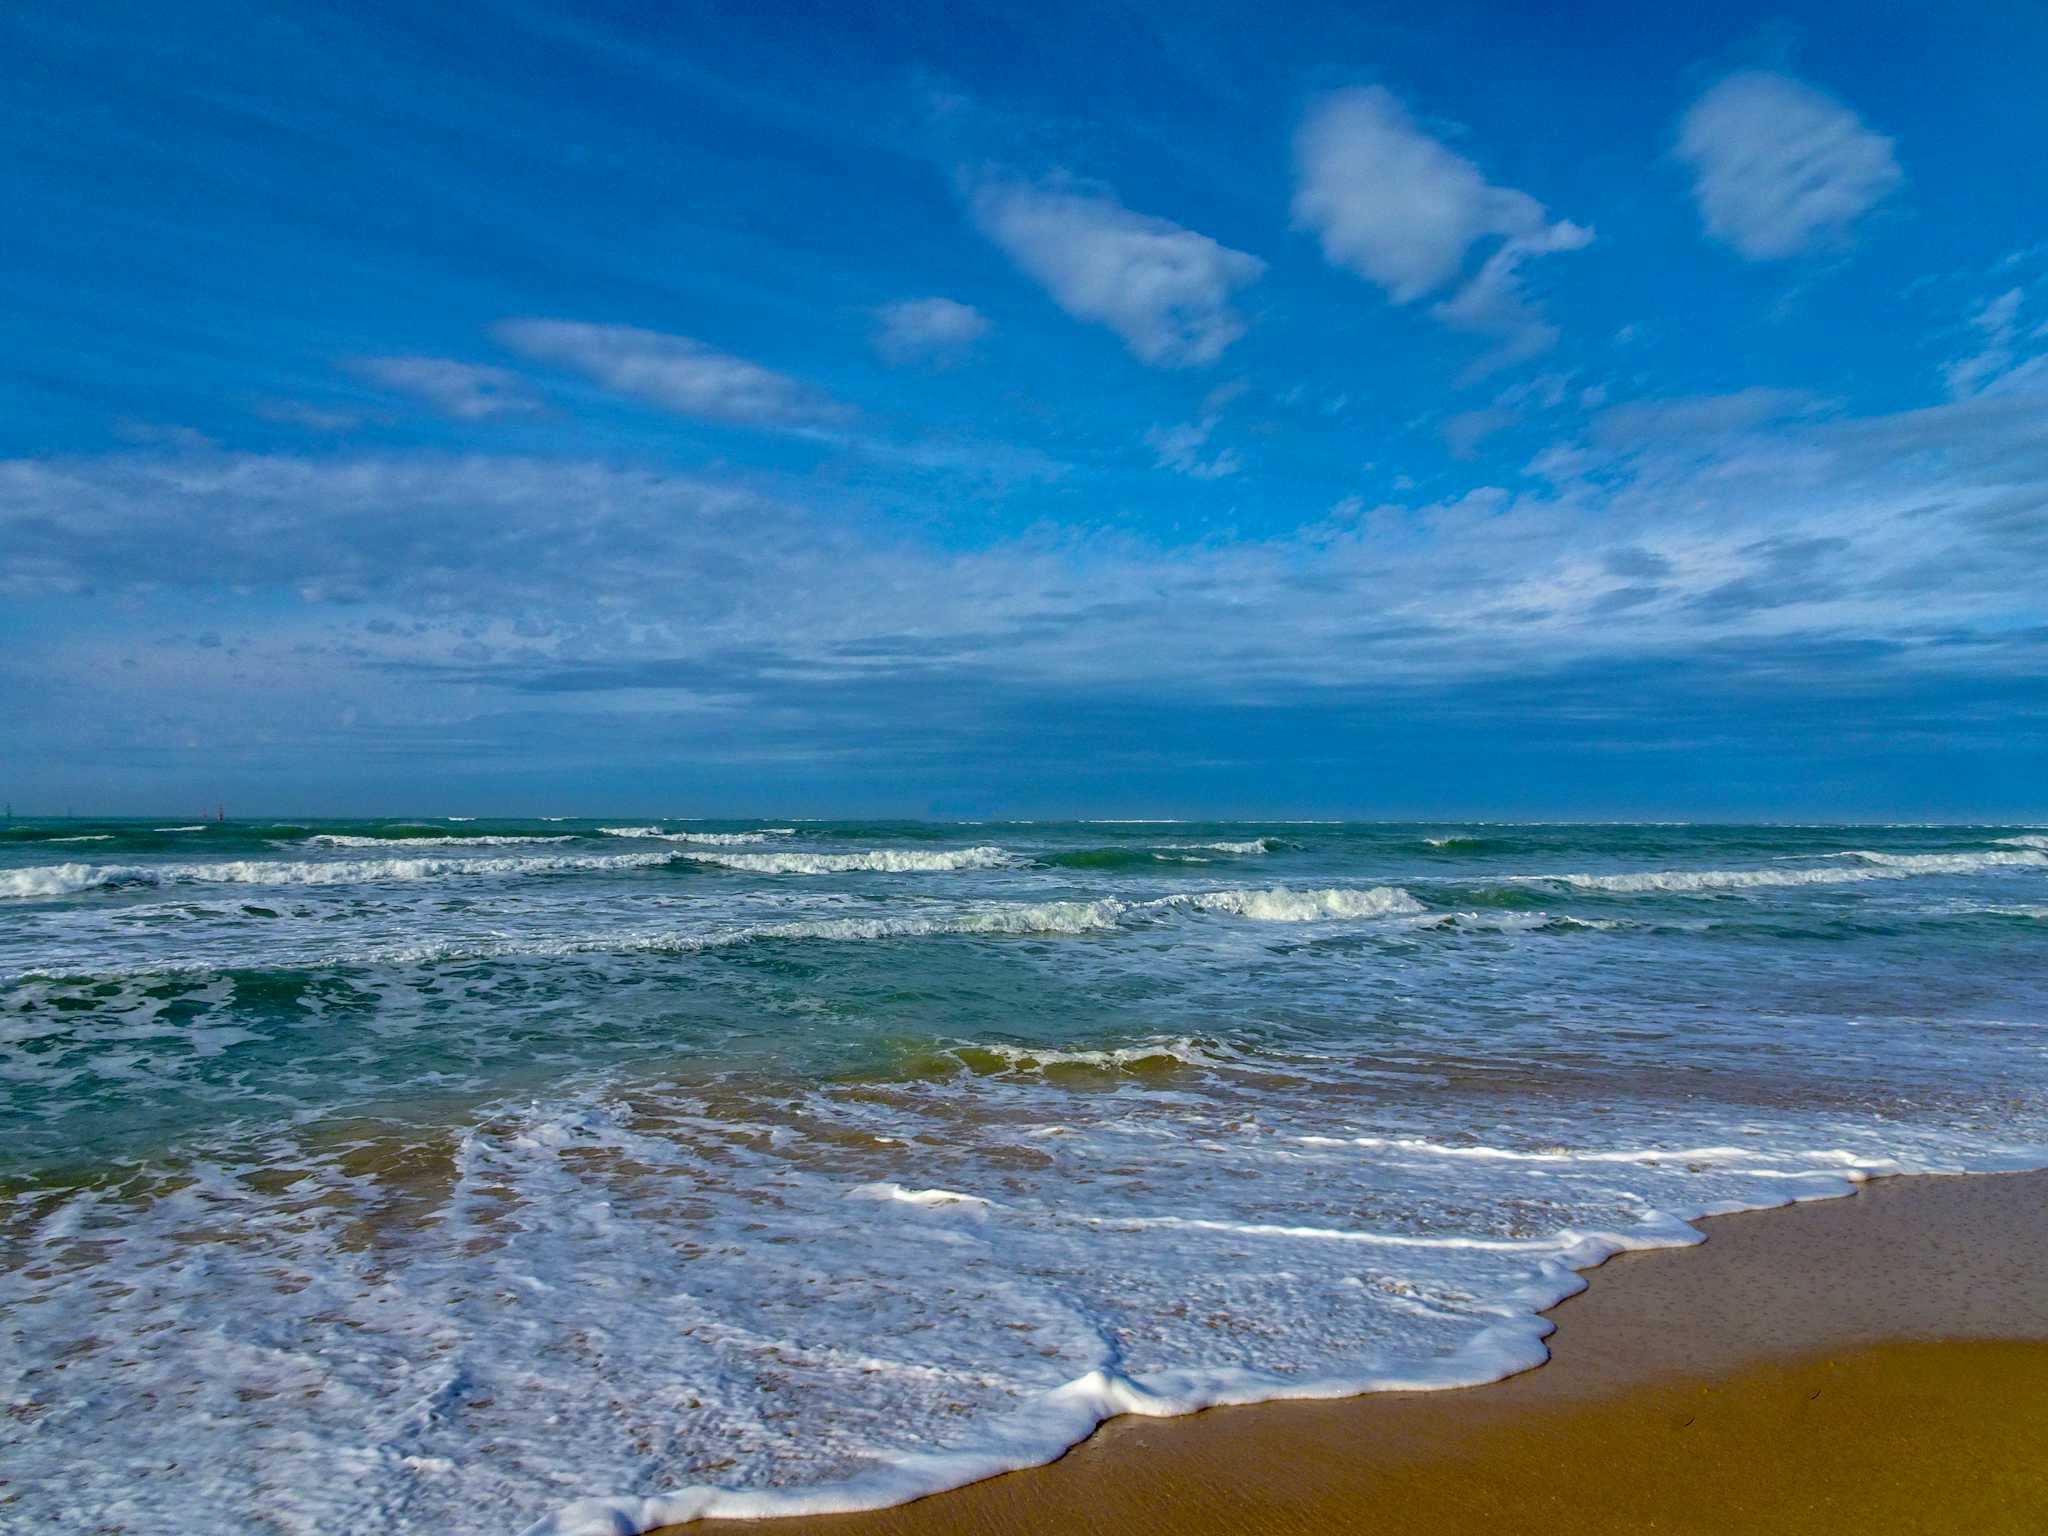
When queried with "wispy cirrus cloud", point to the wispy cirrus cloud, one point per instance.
{"points": [[1996, 359], [300, 413], [1166, 290], [1403, 210], [465, 391], [1179, 448], [1779, 166], [674, 373]]}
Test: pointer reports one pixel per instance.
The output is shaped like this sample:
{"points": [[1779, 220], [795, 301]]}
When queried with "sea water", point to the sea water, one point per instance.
{"points": [[575, 1176]]}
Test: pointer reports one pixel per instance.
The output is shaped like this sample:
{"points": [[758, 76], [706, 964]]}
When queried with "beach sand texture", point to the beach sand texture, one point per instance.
{"points": [[1876, 1364]]}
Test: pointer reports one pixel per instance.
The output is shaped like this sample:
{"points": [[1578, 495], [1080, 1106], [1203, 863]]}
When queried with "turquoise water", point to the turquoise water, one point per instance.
{"points": [[441, 1174]]}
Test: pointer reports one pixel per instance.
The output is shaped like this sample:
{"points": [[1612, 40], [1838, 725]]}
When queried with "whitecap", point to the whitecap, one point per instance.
{"points": [[476, 840], [708, 839], [1870, 866], [874, 860], [1282, 905], [69, 879]]}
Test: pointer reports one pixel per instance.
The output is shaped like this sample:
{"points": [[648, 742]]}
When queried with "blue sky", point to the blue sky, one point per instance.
{"points": [[1516, 410]]}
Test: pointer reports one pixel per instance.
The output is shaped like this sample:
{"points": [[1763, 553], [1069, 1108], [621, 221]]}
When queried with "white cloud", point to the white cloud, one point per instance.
{"points": [[672, 372], [1164, 289], [466, 391], [1493, 303], [1404, 211], [1779, 166], [928, 330], [1179, 448]]}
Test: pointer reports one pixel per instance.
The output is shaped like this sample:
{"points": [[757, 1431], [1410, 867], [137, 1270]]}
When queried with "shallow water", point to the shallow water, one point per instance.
{"points": [[438, 1175]]}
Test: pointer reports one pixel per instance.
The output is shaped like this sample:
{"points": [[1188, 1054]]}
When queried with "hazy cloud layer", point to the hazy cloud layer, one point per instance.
{"points": [[1666, 525]]}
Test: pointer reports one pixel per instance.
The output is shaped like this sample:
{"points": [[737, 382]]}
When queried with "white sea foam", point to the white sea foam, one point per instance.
{"points": [[2029, 840], [878, 860], [1282, 905], [478, 840], [90, 837], [1250, 846], [929, 1198], [1869, 866], [200, 828], [1954, 863], [886, 1296], [1834, 1160], [1515, 922], [1034, 1058], [68, 879], [988, 919], [709, 839]]}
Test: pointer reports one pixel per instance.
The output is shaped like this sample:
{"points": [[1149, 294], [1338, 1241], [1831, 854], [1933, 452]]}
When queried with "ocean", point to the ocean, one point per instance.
{"points": [[570, 1175]]}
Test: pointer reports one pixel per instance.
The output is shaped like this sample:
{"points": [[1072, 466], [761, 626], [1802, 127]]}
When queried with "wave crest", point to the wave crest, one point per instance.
{"points": [[47, 880], [1870, 866], [893, 861], [708, 839], [1282, 905], [439, 840]]}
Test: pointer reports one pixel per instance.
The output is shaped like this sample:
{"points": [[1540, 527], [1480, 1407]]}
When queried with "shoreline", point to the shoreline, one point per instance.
{"points": [[1922, 1287]]}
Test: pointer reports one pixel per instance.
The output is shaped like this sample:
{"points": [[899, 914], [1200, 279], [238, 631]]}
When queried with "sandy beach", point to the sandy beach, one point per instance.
{"points": [[1872, 1364]]}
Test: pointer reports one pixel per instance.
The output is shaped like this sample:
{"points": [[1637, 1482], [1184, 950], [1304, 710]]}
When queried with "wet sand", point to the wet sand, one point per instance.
{"points": [[1872, 1365]]}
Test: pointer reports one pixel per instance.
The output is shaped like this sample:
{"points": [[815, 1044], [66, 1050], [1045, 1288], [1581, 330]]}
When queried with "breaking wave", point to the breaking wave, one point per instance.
{"points": [[893, 861], [442, 840], [1870, 866], [1142, 857], [1281, 905], [709, 839], [47, 880]]}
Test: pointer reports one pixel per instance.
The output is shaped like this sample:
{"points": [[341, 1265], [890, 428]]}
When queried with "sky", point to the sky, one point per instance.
{"points": [[1473, 410]]}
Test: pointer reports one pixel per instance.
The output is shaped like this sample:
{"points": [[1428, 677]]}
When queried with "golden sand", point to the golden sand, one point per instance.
{"points": [[1874, 1365]]}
